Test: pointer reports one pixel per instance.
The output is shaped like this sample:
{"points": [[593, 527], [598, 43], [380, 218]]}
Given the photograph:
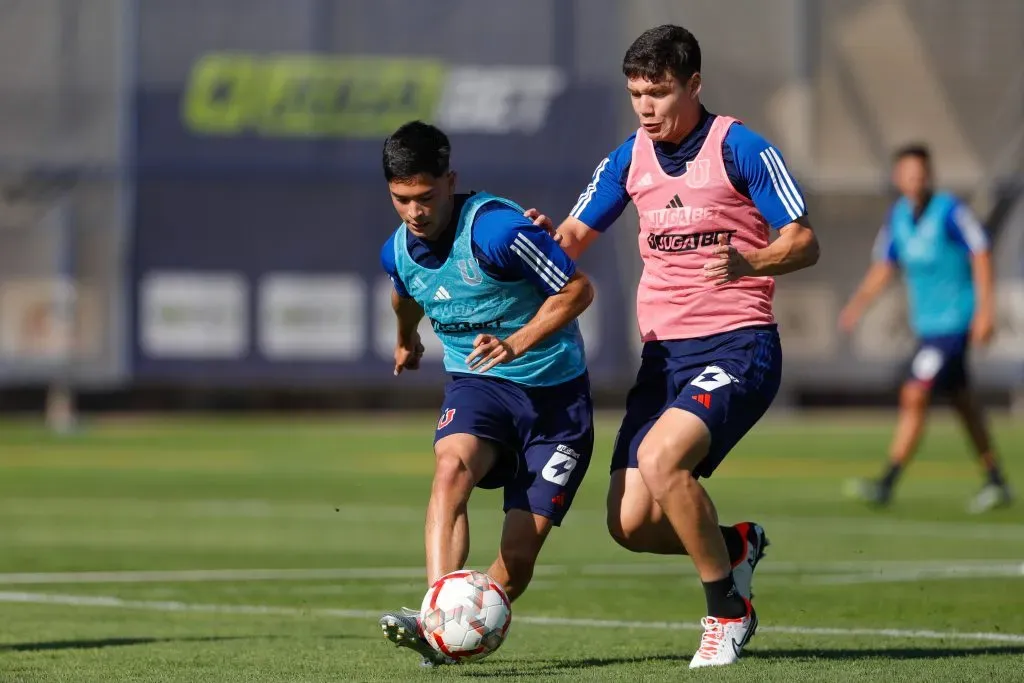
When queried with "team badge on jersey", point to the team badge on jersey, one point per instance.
{"points": [[698, 173], [470, 270], [446, 418]]}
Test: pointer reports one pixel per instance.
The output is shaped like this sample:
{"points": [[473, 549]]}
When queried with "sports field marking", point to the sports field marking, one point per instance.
{"points": [[166, 606], [965, 571], [133, 508], [838, 573]]}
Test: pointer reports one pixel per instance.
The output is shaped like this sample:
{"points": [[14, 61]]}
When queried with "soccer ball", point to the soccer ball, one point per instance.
{"points": [[465, 615]]}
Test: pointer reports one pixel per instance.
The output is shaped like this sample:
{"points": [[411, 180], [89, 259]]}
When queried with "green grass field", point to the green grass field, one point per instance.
{"points": [[124, 554]]}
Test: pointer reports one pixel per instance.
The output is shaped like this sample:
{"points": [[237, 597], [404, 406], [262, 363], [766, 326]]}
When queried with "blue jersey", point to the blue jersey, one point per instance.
{"points": [[756, 169], [934, 251], [497, 232], [461, 300]]}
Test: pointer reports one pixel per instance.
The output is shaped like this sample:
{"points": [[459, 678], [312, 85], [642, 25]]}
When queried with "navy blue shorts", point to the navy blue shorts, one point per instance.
{"points": [[545, 435], [939, 363], [728, 380]]}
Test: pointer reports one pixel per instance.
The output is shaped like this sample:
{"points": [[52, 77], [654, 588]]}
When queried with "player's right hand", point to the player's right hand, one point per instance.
{"points": [[848, 319], [408, 354], [542, 221]]}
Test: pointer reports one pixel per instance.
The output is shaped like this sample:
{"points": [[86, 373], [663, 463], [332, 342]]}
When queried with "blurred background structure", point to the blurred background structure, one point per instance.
{"points": [[191, 195]]}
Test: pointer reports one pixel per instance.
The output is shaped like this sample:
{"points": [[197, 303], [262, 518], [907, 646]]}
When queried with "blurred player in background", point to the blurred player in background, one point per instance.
{"points": [[708, 191], [503, 299], [944, 254]]}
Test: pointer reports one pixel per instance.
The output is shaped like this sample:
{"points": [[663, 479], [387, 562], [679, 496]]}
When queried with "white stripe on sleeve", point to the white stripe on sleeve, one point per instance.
{"points": [[782, 193], [783, 172], [541, 264], [588, 193], [970, 228], [543, 276]]}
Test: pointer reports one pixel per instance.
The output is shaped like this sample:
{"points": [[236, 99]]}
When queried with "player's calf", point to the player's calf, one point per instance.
{"points": [[461, 460], [521, 540]]}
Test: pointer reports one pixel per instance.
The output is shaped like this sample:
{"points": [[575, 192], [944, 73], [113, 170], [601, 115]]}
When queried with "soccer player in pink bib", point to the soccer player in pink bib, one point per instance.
{"points": [[708, 192]]}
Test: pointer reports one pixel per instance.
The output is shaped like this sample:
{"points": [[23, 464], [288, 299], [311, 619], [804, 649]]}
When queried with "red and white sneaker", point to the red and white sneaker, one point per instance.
{"points": [[723, 639], [754, 546]]}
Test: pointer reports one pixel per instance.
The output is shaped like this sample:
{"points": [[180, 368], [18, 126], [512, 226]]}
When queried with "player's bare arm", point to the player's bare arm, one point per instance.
{"points": [[878, 277], [983, 324], [555, 313], [796, 248], [408, 347], [573, 235]]}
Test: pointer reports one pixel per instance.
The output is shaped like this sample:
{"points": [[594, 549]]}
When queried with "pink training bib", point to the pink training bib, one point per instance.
{"points": [[681, 220]]}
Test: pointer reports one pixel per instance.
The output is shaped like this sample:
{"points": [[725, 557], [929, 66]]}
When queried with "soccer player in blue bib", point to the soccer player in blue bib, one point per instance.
{"points": [[503, 298], [943, 253]]}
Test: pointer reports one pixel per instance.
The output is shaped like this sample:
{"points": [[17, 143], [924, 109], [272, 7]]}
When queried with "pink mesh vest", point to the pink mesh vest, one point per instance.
{"points": [[681, 220]]}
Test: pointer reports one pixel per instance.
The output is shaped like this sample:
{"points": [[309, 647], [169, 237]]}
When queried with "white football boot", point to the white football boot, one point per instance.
{"points": [[403, 629], [754, 544], [991, 497], [723, 639]]}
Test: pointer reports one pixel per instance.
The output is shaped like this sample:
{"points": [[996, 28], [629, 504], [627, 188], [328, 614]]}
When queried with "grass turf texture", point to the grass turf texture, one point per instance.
{"points": [[332, 499]]}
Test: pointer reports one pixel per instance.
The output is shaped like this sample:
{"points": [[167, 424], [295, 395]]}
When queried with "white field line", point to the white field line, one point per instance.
{"points": [[135, 509], [994, 570], [132, 508], [164, 606], [839, 573]]}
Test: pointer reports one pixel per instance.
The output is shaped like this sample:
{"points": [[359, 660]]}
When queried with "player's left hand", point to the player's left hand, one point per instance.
{"points": [[489, 351], [726, 264], [542, 221], [983, 328]]}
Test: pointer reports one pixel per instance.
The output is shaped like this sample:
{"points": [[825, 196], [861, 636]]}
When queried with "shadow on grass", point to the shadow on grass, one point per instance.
{"points": [[556, 666], [884, 652], [98, 643]]}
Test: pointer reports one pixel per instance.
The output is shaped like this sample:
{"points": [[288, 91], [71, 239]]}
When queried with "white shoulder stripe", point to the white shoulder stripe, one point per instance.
{"points": [[541, 264], [543, 276], [588, 193], [783, 194], [970, 228], [780, 167]]}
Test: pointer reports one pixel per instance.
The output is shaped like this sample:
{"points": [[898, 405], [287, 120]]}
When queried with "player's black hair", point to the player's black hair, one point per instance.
{"points": [[660, 50], [416, 148], [917, 150]]}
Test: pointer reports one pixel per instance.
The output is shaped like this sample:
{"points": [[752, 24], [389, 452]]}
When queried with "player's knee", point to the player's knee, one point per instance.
{"points": [[616, 529], [660, 466], [914, 396], [626, 531], [451, 474]]}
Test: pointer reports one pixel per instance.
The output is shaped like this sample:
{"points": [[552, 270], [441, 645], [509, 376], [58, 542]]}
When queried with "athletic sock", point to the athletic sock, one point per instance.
{"points": [[891, 475], [995, 476], [734, 543], [724, 600]]}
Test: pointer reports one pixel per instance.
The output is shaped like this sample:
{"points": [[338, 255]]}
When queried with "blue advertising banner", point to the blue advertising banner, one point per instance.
{"points": [[261, 205]]}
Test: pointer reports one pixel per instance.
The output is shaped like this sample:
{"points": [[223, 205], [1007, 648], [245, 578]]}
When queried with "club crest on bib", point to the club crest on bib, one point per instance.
{"points": [[470, 270], [698, 172]]}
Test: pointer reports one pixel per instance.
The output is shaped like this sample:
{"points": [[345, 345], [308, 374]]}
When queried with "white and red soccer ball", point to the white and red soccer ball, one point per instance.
{"points": [[465, 615]]}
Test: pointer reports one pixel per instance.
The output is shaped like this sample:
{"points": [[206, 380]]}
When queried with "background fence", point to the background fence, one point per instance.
{"points": [[190, 190]]}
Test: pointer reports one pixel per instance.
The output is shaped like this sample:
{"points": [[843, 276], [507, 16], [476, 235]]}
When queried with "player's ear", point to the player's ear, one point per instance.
{"points": [[695, 84], [452, 177]]}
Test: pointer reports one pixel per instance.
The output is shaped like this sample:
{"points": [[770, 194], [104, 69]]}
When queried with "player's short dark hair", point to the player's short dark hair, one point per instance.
{"points": [[916, 150], [416, 148], [660, 50]]}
